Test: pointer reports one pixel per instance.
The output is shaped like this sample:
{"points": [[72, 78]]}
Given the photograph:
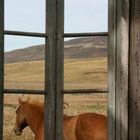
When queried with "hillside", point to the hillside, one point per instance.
{"points": [[76, 48]]}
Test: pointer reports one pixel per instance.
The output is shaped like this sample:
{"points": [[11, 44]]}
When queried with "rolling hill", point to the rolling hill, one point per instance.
{"points": [[79, 48]]}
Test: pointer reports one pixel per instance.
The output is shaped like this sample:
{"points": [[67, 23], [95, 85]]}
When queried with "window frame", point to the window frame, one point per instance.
{"points": [[54, 67]]}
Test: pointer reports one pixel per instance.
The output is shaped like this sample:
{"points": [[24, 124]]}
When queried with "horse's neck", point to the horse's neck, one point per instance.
{"points": [[34, 116]]}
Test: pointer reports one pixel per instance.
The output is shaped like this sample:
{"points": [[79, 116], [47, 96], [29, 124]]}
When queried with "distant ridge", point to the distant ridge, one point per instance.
{"points": [[74, 49]]}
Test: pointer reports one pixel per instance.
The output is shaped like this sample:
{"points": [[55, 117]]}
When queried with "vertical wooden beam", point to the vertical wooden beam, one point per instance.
{"points": [[1, 65], [59, 69], [134, 86], [122, 48], [54, 69], [118, 69], [111, 68], [50, 69]]}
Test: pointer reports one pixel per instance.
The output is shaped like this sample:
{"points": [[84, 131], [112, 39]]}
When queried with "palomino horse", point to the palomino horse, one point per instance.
{"points": [[87, 126]]}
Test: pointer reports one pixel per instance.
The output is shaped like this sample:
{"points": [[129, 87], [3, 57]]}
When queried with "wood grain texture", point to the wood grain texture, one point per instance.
{"points": [[118, 69], [50, 69], [59, 69], [111, 68], [122, 49], [54, 69], [134, 67]]}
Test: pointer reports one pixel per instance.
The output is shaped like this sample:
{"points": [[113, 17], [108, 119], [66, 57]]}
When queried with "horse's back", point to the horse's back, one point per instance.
{"points": [[87, 126], [91, 126]]}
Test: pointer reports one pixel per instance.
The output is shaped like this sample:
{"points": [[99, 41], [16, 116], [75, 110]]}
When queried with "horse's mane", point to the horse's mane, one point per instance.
{"points": [[38, 105]]}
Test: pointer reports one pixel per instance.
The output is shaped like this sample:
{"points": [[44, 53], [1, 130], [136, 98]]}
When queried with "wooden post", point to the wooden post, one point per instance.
{"points": [[1, 65], [118, 69], [134, 86], [111, 68], [54, 69]]}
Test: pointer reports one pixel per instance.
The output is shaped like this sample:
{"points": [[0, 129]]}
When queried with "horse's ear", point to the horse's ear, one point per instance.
{"points": [[20, 100], [28, 98]]}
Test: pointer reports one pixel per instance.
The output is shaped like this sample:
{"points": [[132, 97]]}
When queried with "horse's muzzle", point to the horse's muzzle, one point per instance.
{"points": [[17, 132]]}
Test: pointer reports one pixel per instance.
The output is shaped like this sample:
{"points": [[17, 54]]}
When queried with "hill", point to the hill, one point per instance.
{"points": [[79, 48]]}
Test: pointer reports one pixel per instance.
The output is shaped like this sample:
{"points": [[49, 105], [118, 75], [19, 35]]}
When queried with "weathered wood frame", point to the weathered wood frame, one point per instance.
{"points": [[118, 58], [134, 71], [123, 66], [124, 69], [53, 67]]}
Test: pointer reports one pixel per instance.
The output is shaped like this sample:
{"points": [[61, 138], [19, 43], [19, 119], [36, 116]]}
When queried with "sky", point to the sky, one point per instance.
{"points": [[29, 15]]}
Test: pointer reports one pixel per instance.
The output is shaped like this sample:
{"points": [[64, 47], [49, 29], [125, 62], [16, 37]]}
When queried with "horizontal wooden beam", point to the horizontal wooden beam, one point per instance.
{"points": [[85, 91], [66, 35], [23, 91], [68, 91], [19, 33], [86, 34]]}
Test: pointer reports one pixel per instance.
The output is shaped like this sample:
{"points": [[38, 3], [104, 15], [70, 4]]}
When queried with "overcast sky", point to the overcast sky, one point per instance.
{"points": [[29, 15]]}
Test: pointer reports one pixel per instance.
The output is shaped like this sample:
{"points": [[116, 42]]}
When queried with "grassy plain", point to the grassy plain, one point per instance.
{"points": [[78, 73]]}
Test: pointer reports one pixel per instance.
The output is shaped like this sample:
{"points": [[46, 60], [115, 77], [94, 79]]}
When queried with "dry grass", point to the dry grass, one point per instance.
{"points": [[83, 73], [78, 73]]}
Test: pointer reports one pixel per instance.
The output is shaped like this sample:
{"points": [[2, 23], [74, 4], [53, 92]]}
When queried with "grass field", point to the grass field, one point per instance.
{"points": [[78, 73]]}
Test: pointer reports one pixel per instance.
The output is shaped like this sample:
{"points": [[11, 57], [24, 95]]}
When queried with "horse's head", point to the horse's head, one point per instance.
{"points": [[20, 118]]}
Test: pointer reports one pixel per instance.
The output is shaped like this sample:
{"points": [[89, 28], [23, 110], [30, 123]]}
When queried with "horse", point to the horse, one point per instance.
{"points": [[86, 126]]}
